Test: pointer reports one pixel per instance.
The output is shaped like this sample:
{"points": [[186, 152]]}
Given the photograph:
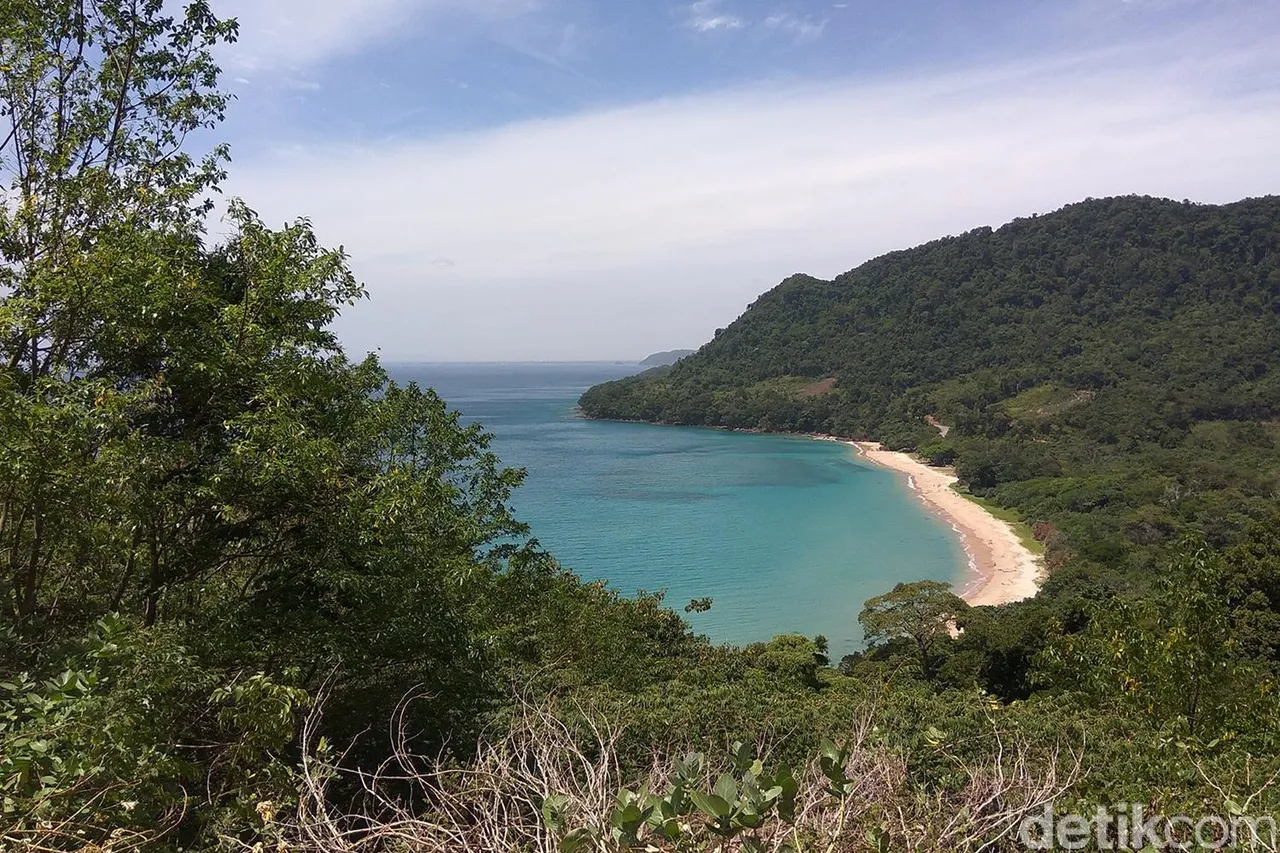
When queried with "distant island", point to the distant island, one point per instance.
{"points": [[662, 359]]}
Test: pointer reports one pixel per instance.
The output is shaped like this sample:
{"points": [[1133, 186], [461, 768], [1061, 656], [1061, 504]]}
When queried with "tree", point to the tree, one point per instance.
{"points": [[99, 97], [1253, 584], [1174, 657], [249, 500], [188, 456], [923, 612], [792, 657]]}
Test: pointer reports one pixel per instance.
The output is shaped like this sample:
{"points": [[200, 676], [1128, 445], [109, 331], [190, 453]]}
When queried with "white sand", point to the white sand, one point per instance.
{"points": [[1002, 568]]}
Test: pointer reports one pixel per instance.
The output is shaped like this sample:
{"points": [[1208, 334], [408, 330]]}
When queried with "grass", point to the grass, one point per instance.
{"points": [[552, 780], [795, 387], [1043, 401], [1011, 516]]}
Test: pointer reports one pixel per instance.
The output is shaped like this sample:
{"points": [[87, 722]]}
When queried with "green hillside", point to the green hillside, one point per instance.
{"points": [[1175, 301], [1106, 369]]}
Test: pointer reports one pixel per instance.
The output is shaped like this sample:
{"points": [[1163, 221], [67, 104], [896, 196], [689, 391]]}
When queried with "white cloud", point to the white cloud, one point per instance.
{"points": [[300, 85], [297, 33], [620, 232], [706, 16], [801, 29]]}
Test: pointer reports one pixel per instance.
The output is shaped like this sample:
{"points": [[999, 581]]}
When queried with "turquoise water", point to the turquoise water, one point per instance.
{"points": [[786, 534]]}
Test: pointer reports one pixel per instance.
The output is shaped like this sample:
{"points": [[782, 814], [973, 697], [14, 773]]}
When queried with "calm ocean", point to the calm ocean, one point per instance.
{"points": [[785, 534]]}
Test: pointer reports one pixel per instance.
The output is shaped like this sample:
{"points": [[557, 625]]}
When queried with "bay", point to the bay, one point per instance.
{"points": [[785, 534]]}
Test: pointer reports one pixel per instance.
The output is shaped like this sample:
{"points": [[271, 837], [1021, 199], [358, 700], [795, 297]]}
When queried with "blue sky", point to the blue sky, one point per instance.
{"points": [[578, 179]]}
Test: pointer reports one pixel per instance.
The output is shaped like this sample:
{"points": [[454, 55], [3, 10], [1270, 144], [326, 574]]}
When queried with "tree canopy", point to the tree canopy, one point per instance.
{"points": [[923, 612]]}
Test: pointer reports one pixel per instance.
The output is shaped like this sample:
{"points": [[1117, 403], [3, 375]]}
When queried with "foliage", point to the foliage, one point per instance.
{"points": [[1174, 655], [196, 478], [924, 612], [99, 97], [104, 750], [685, 816], [554, 781], [231, 551]]}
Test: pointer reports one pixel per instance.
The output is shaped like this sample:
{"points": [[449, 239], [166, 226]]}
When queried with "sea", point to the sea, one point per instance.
{"points": [[785, 534]]}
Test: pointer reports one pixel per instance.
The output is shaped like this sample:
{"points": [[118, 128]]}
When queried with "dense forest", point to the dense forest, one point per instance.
{"points": [[258, 596]]}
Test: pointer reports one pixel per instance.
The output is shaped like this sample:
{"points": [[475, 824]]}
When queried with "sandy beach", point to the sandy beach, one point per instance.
{"points": [[1002, 568]]}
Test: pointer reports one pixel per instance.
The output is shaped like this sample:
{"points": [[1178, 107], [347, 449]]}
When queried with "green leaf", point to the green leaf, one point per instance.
{"points": [[726, 789], [554, 809], [790, 787], [627, 816], [710, 804], [579, 839]]}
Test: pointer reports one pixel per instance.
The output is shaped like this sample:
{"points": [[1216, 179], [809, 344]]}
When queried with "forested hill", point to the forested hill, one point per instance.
{"points": [[1177, 302], [1102, 355]]}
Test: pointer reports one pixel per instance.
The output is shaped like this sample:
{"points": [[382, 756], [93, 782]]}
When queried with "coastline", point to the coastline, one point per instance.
{"points": [[1002, 569]]}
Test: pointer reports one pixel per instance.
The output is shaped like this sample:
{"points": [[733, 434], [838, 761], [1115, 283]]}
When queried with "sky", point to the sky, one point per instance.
{"points": [[601, 179]]}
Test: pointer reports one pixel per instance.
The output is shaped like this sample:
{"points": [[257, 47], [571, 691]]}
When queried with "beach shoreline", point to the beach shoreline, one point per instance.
{"points": [[1001, 568]]}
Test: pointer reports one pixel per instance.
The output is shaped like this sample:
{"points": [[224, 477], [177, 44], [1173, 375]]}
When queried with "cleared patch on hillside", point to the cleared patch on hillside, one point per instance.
{"points": [[1044, 401], [817, 389], [796, 387], [1230, 436]]}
